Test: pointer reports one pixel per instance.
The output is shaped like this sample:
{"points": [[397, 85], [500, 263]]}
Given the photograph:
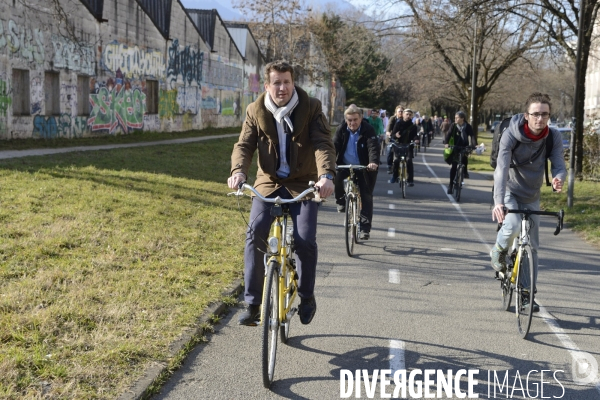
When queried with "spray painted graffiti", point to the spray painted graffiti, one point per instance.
{"points": [[117, 107], [133, 61], [184, 66], [37, 95], [221, 74], [254, 83], [5, 99], [64, 126], [73, 56], [22, 42], [167, 104], [188, 99], [68, 98]]}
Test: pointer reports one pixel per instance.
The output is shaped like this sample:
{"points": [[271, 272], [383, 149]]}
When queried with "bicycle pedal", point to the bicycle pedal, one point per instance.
{"points": [[295, 276], [290, 314]]}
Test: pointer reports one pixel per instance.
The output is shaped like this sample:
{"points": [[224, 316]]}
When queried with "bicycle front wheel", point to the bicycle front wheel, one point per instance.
{"points": [[525, 292], [457, 183], [403, 180], [270, 322], [349, 225], [290, 281]]}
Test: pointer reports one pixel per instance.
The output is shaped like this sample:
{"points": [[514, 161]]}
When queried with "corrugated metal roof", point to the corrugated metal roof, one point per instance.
{"points": [[95, 7], [205, 21], [159, 12]]}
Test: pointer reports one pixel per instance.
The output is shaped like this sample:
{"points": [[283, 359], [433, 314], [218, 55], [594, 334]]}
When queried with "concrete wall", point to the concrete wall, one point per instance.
{"points": [[121, 74]]}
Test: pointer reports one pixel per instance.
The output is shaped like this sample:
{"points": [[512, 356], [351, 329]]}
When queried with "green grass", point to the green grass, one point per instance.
{"points": [[134, 137], [584, 216], [105, 258], [482, 162]]}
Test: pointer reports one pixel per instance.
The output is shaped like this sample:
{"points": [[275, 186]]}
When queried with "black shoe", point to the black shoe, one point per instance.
{"points": [[307, 310], [536, 306], [466, 175], [411, 184], [341, 208], [365, 235], [250, 317], [449, 191]]}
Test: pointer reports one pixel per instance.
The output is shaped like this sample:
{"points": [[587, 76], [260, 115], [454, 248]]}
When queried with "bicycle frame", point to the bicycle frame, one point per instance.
{"points": [[353, 207]]}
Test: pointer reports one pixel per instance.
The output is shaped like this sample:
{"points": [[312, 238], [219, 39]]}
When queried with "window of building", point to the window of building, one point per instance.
{"points": [[52, 93], [83, 95], [151, 97], [20, 89]]}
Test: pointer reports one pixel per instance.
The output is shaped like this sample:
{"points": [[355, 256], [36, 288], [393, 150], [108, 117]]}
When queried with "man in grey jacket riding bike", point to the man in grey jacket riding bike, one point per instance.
{"points": [[523, 144]]}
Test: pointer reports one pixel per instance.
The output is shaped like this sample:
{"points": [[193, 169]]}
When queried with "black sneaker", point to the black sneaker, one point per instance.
{"points": [[411, 184], [365, 235], [525, 302], [250, 317], [449, 191], [307, 310]]}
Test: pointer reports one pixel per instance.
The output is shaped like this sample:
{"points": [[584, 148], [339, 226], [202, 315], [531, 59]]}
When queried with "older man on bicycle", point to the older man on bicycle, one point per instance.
{"points": [[292, 137], [404, 132], [523, 146], [356, 143]]}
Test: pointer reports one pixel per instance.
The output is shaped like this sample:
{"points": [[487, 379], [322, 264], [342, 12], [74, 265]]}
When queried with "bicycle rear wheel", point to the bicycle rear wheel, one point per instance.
{"points": [[402, 180], [525, 292], [457, 183], [270, 322], [349, 226], [356, 219]]}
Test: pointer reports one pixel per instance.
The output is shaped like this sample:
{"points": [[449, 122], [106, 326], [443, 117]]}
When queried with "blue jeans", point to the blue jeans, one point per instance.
{"points": [[304, 216], [511, 227]]}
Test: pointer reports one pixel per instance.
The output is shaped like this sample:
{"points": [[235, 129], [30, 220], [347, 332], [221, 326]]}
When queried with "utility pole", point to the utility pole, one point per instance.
{"points": [[577, 103]]}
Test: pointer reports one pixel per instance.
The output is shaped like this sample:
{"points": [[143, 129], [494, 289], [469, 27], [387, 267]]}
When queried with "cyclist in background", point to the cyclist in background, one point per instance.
{"points": [[293, 140], [377, 124], [462, 132], [404, 132], [388, 133], [356, 143], [524, 144]]}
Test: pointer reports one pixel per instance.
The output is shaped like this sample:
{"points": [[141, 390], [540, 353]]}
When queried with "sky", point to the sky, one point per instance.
{"points": [[229, 13]]}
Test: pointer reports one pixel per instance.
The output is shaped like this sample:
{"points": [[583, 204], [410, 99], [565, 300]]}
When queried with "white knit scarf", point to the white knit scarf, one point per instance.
{"points": [[282, 113]]}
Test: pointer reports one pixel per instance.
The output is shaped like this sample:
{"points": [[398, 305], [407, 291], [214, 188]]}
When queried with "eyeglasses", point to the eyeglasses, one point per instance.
{"points": [[539, 115]]}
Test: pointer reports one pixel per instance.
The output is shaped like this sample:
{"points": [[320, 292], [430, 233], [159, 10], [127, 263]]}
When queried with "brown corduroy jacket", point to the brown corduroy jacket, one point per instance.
{"points": [[311, 152]]}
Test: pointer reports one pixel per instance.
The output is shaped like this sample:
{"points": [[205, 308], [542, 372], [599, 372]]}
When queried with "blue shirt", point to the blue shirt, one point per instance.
{"points": [[351, 153]]}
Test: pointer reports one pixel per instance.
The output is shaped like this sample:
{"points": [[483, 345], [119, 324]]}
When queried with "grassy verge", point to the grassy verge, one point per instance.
{"points": [[482, 162], [584, 216], [105, 258], [134, 137]]}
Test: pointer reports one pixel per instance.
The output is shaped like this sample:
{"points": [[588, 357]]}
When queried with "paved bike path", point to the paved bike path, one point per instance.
{"points": [[5, 154], [419, 294]]}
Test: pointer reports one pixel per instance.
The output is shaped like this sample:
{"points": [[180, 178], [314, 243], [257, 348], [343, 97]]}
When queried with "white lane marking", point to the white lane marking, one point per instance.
{"points": [[397, 360], [390, 192], [392, 206], [391, 232], [568, 344], [579, 357], [447, 249], [394, 276], [455, 204]]}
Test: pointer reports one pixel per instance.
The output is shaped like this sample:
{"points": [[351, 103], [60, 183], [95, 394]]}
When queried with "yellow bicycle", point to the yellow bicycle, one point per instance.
{"points": [[401, 152], [281, 279], [520, 275], [353, 207]]}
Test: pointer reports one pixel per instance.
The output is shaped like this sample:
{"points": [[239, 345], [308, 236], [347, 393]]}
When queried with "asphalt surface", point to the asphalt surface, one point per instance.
{"points": [[420, 294]]}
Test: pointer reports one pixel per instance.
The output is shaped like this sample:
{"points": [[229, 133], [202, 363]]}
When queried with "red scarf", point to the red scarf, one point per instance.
{"points": [[534, 137]]}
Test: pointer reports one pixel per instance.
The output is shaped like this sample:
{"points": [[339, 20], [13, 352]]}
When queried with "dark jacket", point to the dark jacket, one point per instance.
{"points": [[311, 152], [391, 123], [367, 145], [408, 131], [461, 140]]}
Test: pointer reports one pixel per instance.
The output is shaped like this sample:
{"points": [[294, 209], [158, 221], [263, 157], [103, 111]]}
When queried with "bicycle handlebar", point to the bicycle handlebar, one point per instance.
{"points": [[558, 214], [278, 200], [351, 166]]}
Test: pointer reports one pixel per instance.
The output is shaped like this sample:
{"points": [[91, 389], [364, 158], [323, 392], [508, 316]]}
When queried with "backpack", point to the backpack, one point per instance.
{"points": [[496, 146]]}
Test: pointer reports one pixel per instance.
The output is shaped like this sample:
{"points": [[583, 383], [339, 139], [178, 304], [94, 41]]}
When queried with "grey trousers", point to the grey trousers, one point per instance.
{"points": [[304, 216], [511, 227]]}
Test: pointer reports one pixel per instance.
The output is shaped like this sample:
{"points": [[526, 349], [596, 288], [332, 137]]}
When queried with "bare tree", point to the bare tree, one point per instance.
{"points": [[559, 22], [460, 37]]}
